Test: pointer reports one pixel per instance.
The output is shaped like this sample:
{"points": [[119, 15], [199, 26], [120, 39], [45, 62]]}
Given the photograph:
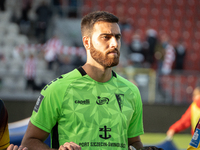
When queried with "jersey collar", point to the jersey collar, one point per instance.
{"points": [[82, 71]]}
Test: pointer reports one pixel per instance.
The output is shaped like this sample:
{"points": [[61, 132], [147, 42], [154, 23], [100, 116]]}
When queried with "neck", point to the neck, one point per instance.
{"points": [[99, 74]]}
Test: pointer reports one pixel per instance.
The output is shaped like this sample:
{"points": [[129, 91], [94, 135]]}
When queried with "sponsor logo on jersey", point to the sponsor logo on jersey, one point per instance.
{"points": [[104, 134], [105, 130], [102, 100], [109, 145], [83, 102], [37, 105]]}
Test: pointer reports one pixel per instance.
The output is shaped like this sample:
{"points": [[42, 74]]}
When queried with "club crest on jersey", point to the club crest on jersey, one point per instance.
{"points": [[120, 100], [102, 100]]}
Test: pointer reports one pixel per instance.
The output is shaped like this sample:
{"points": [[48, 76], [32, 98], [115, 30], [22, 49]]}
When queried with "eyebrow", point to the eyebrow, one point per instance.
{"points": [[111, 34]]}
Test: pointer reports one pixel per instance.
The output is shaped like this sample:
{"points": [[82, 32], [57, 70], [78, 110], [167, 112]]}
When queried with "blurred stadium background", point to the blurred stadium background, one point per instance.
{"points": [[165, 96]]}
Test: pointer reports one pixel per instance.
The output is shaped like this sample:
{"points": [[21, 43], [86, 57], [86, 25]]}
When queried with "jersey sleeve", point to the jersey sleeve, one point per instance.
{"points": [[4, 132], [183, 123], [48, 107], [136, 123], [5, 139]]}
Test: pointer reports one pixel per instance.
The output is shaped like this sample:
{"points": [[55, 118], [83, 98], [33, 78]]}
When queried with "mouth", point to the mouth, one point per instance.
{"points": [[113, 52]]}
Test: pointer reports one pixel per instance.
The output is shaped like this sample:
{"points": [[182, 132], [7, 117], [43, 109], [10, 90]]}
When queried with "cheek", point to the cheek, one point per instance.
{"points": [[95, 42], [119, 45], [99, 45]]}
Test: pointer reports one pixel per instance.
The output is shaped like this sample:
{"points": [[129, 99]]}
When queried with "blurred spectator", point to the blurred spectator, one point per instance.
{"points": [[30, 72], [124, 24], [77, 61], [69, 62], [180, 50], [4, 132], [51, 50], [159, 55], [44, 14], [126, 30], [24, 21], [189, 118], [169, 56], [165, 55], [136, 50], [126, 36], [130, 71], [73, 8], [2, 5], [26, 6], [151, 38], [57, 7]]}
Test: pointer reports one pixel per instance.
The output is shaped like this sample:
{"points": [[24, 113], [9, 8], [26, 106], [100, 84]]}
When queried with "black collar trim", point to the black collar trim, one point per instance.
{"points": [[82, 71], [114, 74]]}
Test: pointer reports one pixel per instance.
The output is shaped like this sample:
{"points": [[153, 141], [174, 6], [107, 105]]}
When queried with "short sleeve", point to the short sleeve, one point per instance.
{"points": [[5, 140], [136, 123], [4, 132], [47, 108]]}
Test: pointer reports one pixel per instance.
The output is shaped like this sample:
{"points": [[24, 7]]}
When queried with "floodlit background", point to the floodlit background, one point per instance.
{"points": [[160, 53]]}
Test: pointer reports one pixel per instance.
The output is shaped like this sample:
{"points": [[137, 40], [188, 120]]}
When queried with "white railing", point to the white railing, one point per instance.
{"points": [[175, 88]]}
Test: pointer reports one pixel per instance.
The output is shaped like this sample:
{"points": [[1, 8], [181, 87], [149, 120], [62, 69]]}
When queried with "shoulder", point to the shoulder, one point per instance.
{"points": [[62, 82], [130, 88], [126, 82]]}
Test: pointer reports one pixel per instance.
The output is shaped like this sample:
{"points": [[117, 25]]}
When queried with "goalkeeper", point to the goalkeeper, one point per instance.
{"points": [[92, 107]]}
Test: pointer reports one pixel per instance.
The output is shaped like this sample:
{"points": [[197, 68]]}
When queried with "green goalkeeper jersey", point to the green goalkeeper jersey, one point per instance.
{"points": [[94, 115]]}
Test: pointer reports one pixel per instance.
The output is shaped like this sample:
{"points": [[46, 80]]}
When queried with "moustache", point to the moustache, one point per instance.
{"points": [[113, 51]]}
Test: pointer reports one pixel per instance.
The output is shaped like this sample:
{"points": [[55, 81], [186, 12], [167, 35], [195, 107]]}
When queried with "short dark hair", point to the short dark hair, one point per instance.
{"points": [[90, 19]]}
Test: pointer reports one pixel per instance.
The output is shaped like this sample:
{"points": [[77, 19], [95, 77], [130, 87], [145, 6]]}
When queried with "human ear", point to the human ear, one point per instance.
{"points": [[86, 42]]}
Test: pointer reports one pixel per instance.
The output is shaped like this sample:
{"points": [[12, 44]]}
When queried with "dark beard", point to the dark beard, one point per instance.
{"points": [[102, 59]]}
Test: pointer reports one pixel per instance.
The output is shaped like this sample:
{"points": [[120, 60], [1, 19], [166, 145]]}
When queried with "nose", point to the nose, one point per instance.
{"points": [[114, 42]]}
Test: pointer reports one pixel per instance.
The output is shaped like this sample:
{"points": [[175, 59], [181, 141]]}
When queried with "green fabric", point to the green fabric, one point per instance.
{"points": [[92, 114]]}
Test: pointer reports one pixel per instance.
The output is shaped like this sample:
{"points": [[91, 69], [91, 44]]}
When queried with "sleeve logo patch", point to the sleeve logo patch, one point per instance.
{"points": [[37, 105]]}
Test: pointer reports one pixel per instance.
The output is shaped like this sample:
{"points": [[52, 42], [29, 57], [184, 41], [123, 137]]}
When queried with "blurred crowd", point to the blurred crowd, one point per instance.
{"points": [[33, 19], [154, 49]]}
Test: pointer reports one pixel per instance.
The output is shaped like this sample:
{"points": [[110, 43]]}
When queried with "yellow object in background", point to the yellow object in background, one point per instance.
{"points": [[195, 141]]}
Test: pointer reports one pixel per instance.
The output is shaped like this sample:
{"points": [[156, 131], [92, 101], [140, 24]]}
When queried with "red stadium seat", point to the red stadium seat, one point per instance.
{"points": [[154, 24], [113, 3], [131, 12], [101, 4], [154, 11], [87, 7], [158, 5], [180, 3], [178, 18]]}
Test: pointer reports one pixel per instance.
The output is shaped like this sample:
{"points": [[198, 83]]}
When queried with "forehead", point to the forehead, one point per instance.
{"points": [[106, 27]]}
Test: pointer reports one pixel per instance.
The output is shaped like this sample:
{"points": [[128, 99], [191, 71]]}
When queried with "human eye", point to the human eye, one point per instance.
{"points": [[106, 37], [118, 37]]}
